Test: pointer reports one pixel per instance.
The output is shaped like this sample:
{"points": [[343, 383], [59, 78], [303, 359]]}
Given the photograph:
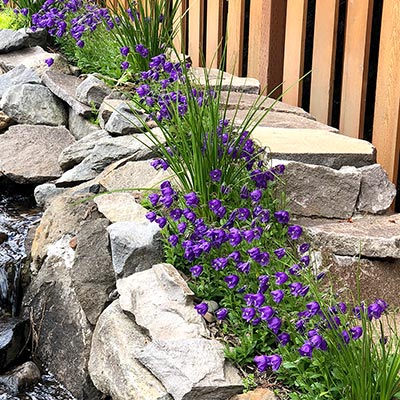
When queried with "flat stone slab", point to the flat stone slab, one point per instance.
{"points": [[12, 40], [64, 87], [29, 153], [315, 146], [370, 236], [34, 58]]}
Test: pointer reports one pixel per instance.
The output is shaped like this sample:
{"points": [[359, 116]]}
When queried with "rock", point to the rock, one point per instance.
{"points": [[33, 104], [108, 106], [368, 236], [79, 150], [119, 207], [79, 126], [92, 91], [377, 192], [37, 37], [64, 87], [93, 255], [192, 368], [229, 82], [5, 120], [123, 122], [135, 246], [106, 151], [29, 153], [315, 146], [45, 193], [14, 336], [126, 174], [21, 378], [258, 394], [63, 332], [12, 40], [18, 76], [113, 366], [34, 58], [162, 304], [315, 190]]}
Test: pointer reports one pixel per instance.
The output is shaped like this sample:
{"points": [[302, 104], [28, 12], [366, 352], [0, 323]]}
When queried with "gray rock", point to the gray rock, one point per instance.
{"points": [[79, 150], [29, 153], [64, 334], [123, 122], [162, 303], [106, 151], [37, 37], [45, 193], [21, 378], [108, 106], [12, 40], [92, 91], [112, 364], [93, 254], [135, 247], [315, 190], [79, 126], [33, 104], [377, 192], [64, 87], [14, 335], [17, 76], [119, 207], [369, 236], [34, 58], [208, 377]]}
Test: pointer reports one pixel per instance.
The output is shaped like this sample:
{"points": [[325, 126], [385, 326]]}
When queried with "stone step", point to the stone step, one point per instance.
{"points": [[372, 236]]}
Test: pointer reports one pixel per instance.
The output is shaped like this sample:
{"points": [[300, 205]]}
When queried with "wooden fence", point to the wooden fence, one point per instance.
{"points": [[351, 46]]}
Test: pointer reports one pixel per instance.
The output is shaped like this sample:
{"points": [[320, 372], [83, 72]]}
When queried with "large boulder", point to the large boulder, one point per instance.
{"points": [[92, 91], [29, 153], [17, 76], [12, 40], [33, 104], [62, 332]]}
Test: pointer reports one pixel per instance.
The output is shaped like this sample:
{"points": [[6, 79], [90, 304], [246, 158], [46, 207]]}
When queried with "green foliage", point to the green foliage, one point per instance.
{"points": [[10, 20]]}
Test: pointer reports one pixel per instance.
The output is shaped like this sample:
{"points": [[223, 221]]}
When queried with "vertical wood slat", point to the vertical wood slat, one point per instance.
{"points": [[386, 128], [235, 39], [323, 63], [196, 30], [355, 67], [293, 66], [180, 24], [215, 9], [266, 43]]}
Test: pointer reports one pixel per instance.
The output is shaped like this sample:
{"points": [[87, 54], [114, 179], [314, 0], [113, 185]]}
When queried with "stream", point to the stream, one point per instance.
{"points": [[18, 213]]}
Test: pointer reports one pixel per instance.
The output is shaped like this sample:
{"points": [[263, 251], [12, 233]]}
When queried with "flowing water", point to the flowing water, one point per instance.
{"points": [[17, 215]]}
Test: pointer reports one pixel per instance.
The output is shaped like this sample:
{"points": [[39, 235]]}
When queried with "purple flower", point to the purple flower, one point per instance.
{"points": [[255, 300], [24, 11], [346, 337], [295, 288], [248, 235], [201, 308], [263, 259], [243, 214], [256, 195], [49, 61], [263, 362], [277, 295], [175, 214], [318, 342], [295, 231], [254, 253], [191, 199], [244, 193], [124, 50], [305, 260], [266, 313], [275, 324], [306, 350], [173, 240], [263, 283], [161, 221], [221, 313], [280, 253], [282, 216], [235, 256], [243, 267], [214, 204], [356, 332], [196, 271], [215, 175], [143, 90], [232, 281], [154, 197], [281, 278], [342, 307], [234, 237], [182, 227], [303, 248], [294, 269], [283, 338], [151, 216], [313, 307], [248, 313], [189, 215], [219, 263], [124, 65], [139, 48]]}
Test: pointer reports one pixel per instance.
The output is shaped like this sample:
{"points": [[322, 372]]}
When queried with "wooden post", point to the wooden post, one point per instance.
{"points": [[215, 9], [235, 31], [323, 63], [295, 35], [266, 43], [386, 129], [196, 30], [180, 24], [355, 67]]}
